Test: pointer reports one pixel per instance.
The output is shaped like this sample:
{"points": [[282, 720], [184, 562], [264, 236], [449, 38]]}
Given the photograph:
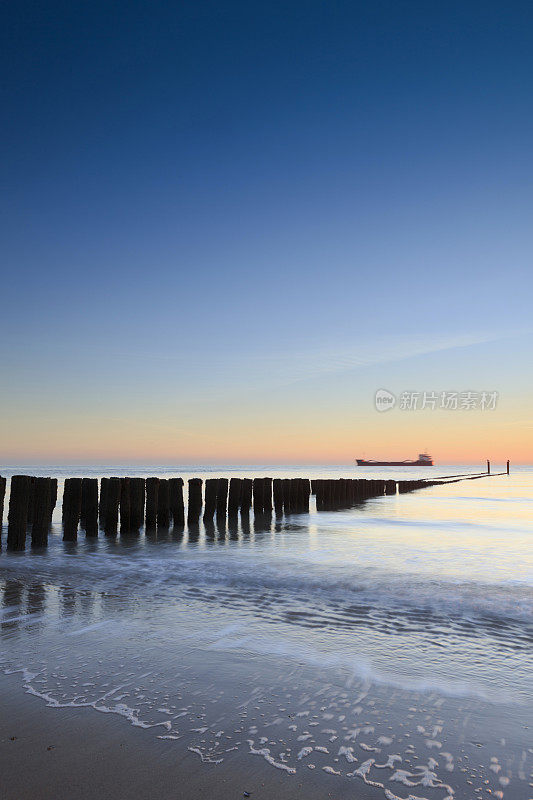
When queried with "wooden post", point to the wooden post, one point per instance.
{"points": [[177, 510], [267, 495], [125, 505], [111, 506], [163, 504], [195, 501], [17, 519], [258, 495], [234, 497], [89, 506], [104, 483], [71, 508], [2, 495], [508, 467], [137, 491], [277, 485], [390, 487], [222, 497], [246, 496], [152, 486], [53, 496], [41, 512], [488, 467], [210, 504], [286, 484]]}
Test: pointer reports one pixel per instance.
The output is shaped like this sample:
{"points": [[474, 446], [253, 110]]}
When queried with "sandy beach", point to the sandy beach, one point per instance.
{"points": [[59, 754]]}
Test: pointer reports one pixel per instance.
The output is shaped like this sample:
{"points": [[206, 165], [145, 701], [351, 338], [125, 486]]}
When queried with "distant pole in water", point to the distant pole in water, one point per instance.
{"points": [[488, 467], [508, 466]]}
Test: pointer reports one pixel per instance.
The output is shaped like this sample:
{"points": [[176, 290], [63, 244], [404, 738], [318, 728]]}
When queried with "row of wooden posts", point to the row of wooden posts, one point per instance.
{"points": [[129, 503]]}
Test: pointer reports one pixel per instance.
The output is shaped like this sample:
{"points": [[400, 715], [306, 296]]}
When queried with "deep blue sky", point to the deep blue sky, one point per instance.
{"points": [[199, 196]]}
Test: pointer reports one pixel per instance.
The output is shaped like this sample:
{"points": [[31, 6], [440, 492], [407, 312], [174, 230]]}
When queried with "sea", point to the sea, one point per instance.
{"points": [[388, 644]]}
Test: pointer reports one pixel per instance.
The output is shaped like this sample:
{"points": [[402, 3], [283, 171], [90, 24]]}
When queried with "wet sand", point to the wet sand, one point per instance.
{"points": [[62, 753]]}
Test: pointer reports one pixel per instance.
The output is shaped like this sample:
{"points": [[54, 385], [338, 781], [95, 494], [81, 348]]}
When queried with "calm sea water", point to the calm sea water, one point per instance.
{"points": [[388, 644]]}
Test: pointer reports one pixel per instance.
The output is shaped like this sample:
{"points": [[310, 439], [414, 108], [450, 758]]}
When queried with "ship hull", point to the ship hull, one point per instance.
{"points": [[361, 462]]}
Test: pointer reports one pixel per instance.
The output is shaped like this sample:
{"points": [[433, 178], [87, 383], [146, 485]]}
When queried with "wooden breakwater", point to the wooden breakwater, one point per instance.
{"points": [[129, 504]]}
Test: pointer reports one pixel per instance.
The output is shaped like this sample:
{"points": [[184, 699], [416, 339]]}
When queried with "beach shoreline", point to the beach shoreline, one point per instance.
{"points": [[61, 753]]}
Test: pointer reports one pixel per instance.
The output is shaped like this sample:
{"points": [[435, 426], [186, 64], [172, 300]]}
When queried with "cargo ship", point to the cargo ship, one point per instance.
{"points": [[424, 460]]}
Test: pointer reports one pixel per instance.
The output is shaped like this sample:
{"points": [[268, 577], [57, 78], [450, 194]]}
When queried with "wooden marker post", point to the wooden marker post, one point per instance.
{"points": [[246, 496], [152, 487], [177, 511], [508, 467], [89, 506], [125, 505], [2, 495], [137, 492], [222, 497], [210, 503], [163, 504], [17, 519], [258, 495], [488, 467], [277, 486], [42, 493], [104, 483], [267, 495], [112, 506], [195, 501], [234, 497], [71, 508]]}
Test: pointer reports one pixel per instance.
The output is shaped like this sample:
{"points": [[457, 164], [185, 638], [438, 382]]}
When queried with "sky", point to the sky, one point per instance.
{"points": [[226, 225]]}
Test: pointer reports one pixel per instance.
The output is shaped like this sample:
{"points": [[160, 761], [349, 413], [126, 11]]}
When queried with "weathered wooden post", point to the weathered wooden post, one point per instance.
{"points": [[89, 506], [17, 519], [267, 495], [104, 483], [277, 486], [286, 484], [177, 510], [41, 512], [111, 506], [195, 501], [508, 467], [137, 490], [390, 487], [210, 501], [234, 497], [246, 496], [222, 497], [319, 494], [163, 504], [71, 508], [258, 495], [306, 486], [488, 467], [53, 496], [2, 495], [125, 505], [152, 487]]}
